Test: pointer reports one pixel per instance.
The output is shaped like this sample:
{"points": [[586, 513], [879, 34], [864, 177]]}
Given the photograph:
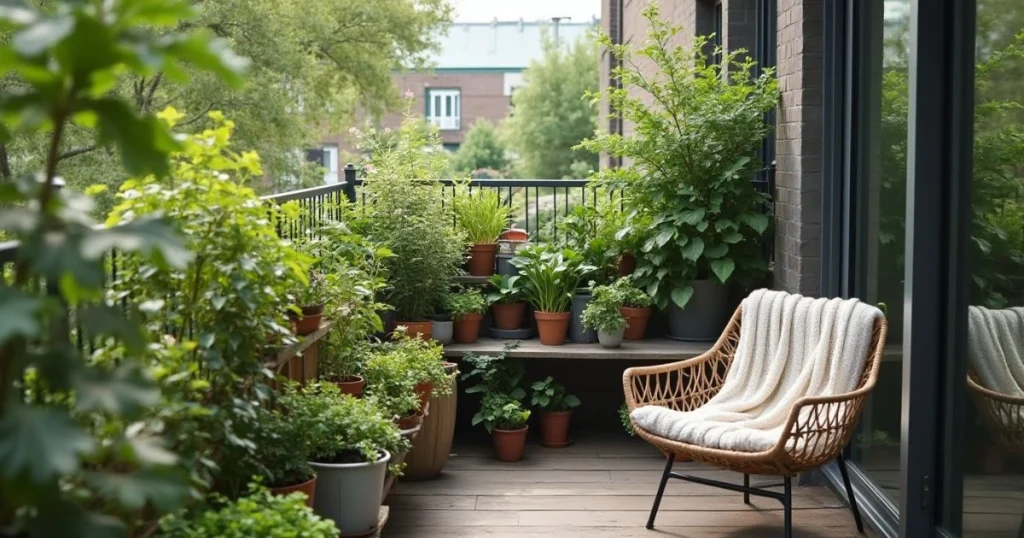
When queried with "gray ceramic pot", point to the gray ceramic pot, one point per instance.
{"points": [[610, 339], [705, 315], [349, 494], [442, 331], [505, 266], [577, 333]]}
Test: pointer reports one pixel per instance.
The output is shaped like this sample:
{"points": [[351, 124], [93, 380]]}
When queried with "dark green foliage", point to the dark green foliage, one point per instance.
{"points": [[552, 396]]}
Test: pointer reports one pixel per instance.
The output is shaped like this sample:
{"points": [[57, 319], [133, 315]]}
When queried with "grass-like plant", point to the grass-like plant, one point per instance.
{"points": [[481, 214]]}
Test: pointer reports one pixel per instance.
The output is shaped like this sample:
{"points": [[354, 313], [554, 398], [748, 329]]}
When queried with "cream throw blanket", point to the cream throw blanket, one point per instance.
{"points": [[995, 348], [790, 347]]}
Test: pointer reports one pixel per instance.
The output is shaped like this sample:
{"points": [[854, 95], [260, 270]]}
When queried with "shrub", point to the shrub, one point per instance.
{"points": [[465, 303], [481, 214], [279, 450], [501, 411], [257, 514], [552, 397], [394, 368]]}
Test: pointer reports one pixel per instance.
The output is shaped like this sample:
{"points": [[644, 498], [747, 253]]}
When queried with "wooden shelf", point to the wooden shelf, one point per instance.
{"points": [[657, 349], [473, 280]]}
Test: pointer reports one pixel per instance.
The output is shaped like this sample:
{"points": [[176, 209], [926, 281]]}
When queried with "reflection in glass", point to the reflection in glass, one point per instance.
{"points": [[993, 503]]}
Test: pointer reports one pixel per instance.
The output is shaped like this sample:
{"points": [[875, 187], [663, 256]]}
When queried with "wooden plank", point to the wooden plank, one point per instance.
{"points": [[761, 531], [616, 518], [305, 342], [550, 462], [456, 484], [655, 349], [641, 503], [432, 502], [535, 476]]}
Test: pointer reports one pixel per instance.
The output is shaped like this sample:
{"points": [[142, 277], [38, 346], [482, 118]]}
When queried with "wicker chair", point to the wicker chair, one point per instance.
{"points": [[808, 442]]}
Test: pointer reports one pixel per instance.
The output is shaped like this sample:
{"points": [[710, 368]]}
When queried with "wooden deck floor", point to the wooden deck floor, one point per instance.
{"points": [[601, 487]]}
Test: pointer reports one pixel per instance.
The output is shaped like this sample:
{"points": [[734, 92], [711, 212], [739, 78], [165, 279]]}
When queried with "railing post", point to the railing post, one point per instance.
{"points": [[350, 183]]}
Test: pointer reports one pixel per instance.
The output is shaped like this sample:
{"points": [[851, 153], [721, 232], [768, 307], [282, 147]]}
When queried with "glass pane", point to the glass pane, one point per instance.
{"points": [[880, 248], [458, 104], [993, 451], [448, 106], [437, 105]]}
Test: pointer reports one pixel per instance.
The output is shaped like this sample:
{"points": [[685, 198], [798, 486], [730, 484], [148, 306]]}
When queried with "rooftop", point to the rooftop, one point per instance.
{"points": [[507, 45]]}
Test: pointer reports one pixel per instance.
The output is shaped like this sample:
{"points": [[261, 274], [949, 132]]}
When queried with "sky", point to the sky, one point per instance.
{"points": [[528, 10]]}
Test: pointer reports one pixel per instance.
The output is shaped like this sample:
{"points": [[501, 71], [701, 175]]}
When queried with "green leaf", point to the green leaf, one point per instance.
{"points": [[150, 451], [664, 236], [62, 517], [716, 251], [133, 491], [572, 401], [124, 391], [43, 34], [19, 314], [212, 55], [693, 250], [692, 216], [147, 235], [40, 444], [17, 12], [681, 296], [103, 320], [723, 269], [756, 221], [732, 238], [144, 143]]}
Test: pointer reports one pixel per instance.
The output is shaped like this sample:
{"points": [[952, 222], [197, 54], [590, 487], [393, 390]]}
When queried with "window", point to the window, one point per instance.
{"points": [[330, 163], [717, 41], [444, 109]]}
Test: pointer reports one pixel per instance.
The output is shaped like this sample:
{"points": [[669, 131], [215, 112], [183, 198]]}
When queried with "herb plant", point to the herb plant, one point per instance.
{"points": [[628, 295], [501, 411], [257, 514], [687, 192], [602, 312], [340, 428], [551, 275], [391, 383], [464, 303], [424, 361], [279, 450], [505, 289], [481, 214], [552, 396]]}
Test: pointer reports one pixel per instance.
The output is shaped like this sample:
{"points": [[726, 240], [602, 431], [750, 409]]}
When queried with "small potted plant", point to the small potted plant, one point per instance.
{"points": [[635, 306], [556, 406], [483, 217], [441, 325], [349, 443], [603, 314], [506, 302], [342, 361], [467, 309], [283, 466], [310, 301], [391, 385], [423, 362], [551, 276], [506, 421]]}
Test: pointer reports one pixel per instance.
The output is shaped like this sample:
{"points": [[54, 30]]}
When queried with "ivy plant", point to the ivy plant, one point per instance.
{"points": [[688, 198], [77, 456]]}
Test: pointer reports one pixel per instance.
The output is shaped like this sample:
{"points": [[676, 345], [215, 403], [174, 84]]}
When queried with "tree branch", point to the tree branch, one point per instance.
{"points": [[76, 152], [198, 117], [5, 163], [148, 99]]}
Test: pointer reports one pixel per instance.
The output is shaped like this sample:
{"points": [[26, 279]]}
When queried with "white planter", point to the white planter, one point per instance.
{"points": [[349, 494], [610, 339], [442, 331]]}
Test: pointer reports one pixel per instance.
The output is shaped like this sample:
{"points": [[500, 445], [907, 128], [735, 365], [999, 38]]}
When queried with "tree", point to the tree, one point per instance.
{"points": [[314, 64], [482, 149], [551, 113]]}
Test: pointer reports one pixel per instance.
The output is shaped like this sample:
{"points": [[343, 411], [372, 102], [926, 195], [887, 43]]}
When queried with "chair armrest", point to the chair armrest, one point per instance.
{"points": [[819, 427], [683, 385]]}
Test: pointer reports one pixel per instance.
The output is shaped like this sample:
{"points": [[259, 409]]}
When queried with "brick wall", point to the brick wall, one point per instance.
{"points": [[798, 147]]}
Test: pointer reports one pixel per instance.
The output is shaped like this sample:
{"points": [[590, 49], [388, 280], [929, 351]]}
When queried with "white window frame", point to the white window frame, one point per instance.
{"points": [[330, 163], [445, 108]]}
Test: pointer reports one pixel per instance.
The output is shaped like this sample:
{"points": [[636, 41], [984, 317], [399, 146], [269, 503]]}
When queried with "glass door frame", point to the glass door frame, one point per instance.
{"points": [[940, 127]]}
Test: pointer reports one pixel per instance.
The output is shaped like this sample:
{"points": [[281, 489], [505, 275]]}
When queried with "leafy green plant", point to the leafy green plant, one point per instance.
{"points": [[81, 453], [552, 396], [391, 383], [501, 411], [405, 214], [687, 192], [495, 373], [551, 275], [339, 428], [624, 419], [257, 514], [602, 312], [505, 289], [481, 214], [628, 295], [590, 230], [424, 361], [313, 293], [279, 450], [464, 303], [230, 303]]}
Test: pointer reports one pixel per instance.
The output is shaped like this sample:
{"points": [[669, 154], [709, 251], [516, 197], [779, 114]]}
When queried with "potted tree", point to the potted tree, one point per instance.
{"points": [[403, 212], [604, 315], [506, 421], [551, 276], [687, 191], [507, 305], [483, 217], [467, 309], [556, 406], [349, 443], [635, 307]]}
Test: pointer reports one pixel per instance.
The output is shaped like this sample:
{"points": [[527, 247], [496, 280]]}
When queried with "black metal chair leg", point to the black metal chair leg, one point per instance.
{"points": [[661, 489], [787, 507], [849, 493], [746, 484]]}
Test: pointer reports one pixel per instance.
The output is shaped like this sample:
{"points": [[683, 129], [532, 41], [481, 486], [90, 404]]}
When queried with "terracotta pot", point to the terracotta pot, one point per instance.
{"points": [[509, 444], [418, 329], [308, 323], [636, 322], [481, 259], [467, 328], [554, 429], [552, 327], [508, 316], [424, 390], [409, 422], [352, 385], [308, 487], [627, 264]]}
